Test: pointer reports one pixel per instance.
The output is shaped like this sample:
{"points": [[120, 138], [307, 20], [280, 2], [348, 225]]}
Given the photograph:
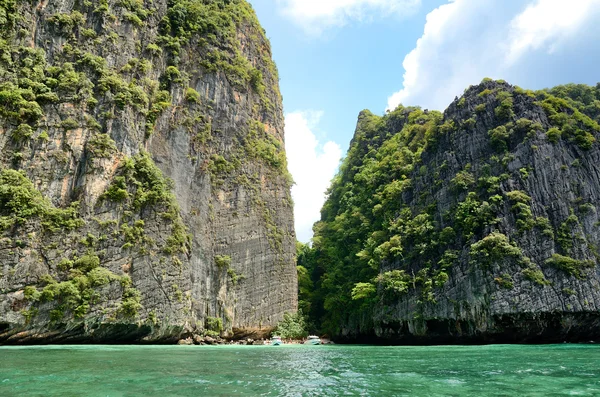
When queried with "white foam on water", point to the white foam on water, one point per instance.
{"points": [[453, 382]]}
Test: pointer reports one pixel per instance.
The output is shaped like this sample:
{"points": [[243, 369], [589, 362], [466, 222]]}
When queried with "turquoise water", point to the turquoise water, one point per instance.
{"points": [[338, 370]]}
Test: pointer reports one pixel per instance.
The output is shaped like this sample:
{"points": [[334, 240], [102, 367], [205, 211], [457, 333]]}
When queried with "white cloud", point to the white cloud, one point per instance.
{"points": [[312, 166], [545, 22], [317, 15], [464, 41]]}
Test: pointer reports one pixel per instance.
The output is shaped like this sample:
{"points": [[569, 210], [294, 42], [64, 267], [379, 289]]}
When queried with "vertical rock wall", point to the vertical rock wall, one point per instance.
{"points": [[144, 184]]}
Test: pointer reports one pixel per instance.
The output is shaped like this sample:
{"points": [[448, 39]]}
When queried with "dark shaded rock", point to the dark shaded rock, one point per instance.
{"points": [[489, 234]]}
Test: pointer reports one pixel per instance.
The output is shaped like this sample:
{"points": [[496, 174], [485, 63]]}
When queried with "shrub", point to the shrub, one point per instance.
{"points": [[553, 134], [31, 293], [86, 263], [535, 275], [101, 145], [153, 49], [505, 110], [292, 326], [191, 95], [363, 291], [22, 132], [130, 303], [20, 201], [256, 81], [222, 261], [505, 281], [172, 75], [494, 247], [499, 137], [117, 191], [395, 281], [462, 181], [214, 324], [469, 123], [571, 266], [69, 124]]}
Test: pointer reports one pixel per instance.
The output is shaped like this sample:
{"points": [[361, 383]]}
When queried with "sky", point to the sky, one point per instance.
{"points": [[337, 57]]}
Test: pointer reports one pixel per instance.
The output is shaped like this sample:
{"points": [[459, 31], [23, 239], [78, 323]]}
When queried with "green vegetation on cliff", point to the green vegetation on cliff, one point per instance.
{"points": [[423, 195], [138, 136]]}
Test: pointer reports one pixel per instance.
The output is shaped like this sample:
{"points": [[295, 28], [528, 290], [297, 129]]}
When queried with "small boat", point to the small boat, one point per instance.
{"points": [[276, 341], [313, 340]]}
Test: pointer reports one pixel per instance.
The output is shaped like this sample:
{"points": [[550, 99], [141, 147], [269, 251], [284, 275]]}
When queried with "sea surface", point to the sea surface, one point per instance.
{"points": [[296, 370]]}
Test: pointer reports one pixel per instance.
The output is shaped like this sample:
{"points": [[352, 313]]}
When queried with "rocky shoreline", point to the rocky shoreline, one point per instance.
{"points": [[200, 340]]}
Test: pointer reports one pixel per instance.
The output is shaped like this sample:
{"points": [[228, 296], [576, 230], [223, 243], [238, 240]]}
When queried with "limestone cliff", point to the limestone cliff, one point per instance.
{"points": [[480, 224], [144, 191]]}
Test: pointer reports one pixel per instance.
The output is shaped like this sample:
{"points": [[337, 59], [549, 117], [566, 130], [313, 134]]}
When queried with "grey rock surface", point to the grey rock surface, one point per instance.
{"points": [[215, 251], [473, 306]]}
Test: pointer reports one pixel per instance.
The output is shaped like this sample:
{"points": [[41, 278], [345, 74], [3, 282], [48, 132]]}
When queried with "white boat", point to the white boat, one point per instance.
{"points": [[313, 340], [276, 341]]}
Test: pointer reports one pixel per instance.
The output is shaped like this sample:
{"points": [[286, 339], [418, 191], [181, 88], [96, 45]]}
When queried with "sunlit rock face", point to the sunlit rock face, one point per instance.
{"points": [[144, 192]]}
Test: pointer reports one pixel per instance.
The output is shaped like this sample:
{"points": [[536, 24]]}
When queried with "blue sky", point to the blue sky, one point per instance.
{"points": [[337, 57]]}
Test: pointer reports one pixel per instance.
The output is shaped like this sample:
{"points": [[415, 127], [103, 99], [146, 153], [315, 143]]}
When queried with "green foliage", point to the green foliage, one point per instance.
{"points": [[21, 201], [504, 112], [580, 96], [223, 261], [553, 134], [571, 266], [306, 267], [22, 133], [522, 209], [292, 326], [363, 291], [463, 181], [394, 281], [86, 263], [262, 145], [67, 22], [191, 95], [493, 248], [101, 146], [142, 186], [505, 281], [535, 275], [78, 293], [565, 233], [31, 293], [154, 49], [545, 226], [234, 276], [69, 124], [214, 324], [130, 302], [574, 125], [471, 215], [256, 81], [18, 104], [117, 191], [499, 138], [172, 75]]}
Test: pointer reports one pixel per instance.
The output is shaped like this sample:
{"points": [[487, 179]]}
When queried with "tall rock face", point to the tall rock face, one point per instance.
{"points": [[144, 191], [480, 224]]}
